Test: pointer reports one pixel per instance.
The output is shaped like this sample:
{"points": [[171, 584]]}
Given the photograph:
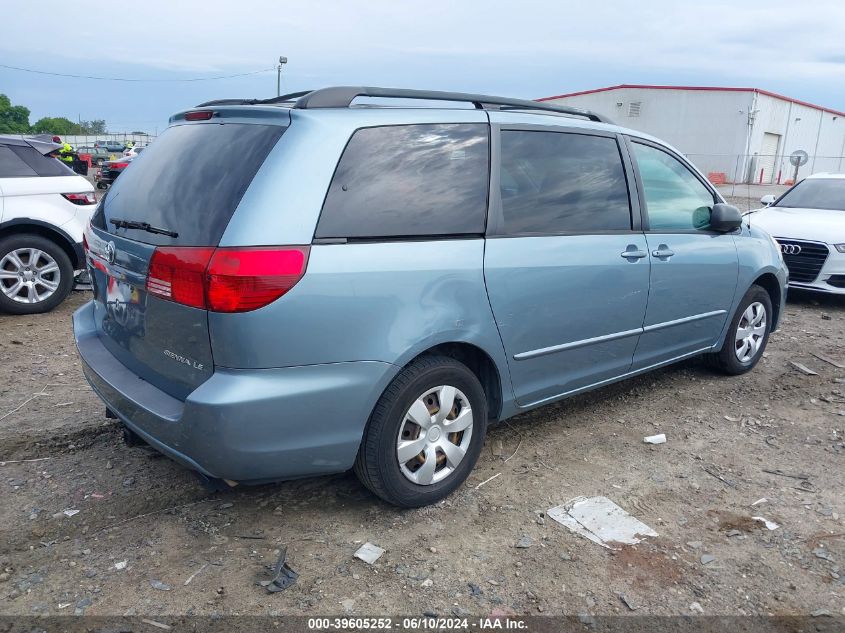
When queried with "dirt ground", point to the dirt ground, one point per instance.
{"points": [[89, 525]]}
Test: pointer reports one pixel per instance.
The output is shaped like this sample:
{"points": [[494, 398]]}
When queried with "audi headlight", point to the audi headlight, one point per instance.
{"points": [[839, 247]]}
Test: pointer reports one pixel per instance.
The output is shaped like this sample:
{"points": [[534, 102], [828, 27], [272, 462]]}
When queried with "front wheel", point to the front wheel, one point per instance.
{"points": [[35, 274], [748, 334], [425, 433]]}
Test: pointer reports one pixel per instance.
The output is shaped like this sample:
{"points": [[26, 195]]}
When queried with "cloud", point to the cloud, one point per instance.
{"points": [[527, 49]]}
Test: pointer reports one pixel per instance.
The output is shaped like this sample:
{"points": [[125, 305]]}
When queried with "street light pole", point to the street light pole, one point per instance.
{"points": [[282, 61]]}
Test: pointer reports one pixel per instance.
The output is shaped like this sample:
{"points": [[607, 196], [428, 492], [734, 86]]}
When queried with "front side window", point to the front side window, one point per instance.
{"points": [[557, 182], [675, 199], [409, 180]]}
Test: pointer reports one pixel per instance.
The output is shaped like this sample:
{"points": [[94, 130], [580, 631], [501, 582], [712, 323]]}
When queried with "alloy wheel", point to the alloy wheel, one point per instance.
{"points": [[29, 275]]}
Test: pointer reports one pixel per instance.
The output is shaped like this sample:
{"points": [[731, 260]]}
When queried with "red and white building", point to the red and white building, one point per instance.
{"points": [[731, 134]]}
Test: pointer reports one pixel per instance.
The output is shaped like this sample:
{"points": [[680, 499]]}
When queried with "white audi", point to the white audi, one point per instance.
{"points": [[808, 221]]}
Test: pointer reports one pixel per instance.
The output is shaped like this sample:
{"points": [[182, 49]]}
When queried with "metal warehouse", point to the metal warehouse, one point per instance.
{"points": [[743, 135]]}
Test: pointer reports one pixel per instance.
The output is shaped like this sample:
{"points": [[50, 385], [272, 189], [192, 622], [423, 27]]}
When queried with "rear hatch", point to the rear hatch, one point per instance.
{"points": [[170, 208]]}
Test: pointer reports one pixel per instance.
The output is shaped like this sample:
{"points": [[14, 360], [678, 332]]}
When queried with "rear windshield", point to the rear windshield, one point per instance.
{"points": [[189, 182], [816, 193]]}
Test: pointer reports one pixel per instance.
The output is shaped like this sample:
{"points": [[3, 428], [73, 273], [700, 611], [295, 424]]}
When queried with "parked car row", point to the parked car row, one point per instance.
{"points": [[111, 169], [98, 155]]}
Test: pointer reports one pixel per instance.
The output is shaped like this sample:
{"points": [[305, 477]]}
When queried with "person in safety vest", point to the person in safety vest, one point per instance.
{"points": [[66, 154]]}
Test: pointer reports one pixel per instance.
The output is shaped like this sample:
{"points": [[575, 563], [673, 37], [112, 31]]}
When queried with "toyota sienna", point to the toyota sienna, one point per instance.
{"points": [[347, 281]]}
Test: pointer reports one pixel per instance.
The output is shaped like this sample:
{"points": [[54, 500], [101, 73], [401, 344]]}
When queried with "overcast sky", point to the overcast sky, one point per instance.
{"points": [[516, 48]]}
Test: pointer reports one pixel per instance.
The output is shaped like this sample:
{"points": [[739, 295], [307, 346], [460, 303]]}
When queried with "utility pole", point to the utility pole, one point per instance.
{"points": [[282, 61]]}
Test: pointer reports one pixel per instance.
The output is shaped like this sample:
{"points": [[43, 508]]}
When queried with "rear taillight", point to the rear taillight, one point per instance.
{"points": [[199, 115], [118, 165], [225, 279], [80, 198], [178, 274], [240, 280]]}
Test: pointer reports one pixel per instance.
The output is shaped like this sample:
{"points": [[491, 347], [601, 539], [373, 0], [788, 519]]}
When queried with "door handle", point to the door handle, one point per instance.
{"points": [[663, 252], [633, 253]]}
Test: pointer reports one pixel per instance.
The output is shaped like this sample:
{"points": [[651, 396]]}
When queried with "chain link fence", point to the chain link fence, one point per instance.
{"points": [[762, 169], [120, 138]]}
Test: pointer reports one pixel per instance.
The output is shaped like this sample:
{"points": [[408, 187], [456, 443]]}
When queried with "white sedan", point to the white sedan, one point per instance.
{"points": [[808, 222]]}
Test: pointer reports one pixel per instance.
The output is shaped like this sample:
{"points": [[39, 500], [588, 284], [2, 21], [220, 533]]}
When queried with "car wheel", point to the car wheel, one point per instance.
{"points": [[748, 334], [425, 433], [35, 274]]}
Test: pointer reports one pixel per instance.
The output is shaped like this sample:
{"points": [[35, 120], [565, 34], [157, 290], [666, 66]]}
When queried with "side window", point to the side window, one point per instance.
{"points": [[42, 165], [559, 182], [409, 180], [11, 166], [675, 198]]}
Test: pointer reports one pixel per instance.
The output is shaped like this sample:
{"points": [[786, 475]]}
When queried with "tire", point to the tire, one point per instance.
{"points": [[728, 360], [49, 289], [378, 462]]}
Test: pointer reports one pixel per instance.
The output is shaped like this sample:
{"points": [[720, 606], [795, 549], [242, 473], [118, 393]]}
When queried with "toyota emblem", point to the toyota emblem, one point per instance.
{"points": [[111, 252], [790, 249]]}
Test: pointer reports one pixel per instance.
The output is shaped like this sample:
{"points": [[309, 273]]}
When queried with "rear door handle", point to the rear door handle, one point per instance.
{"points": [[633, 253], [663, 252]]}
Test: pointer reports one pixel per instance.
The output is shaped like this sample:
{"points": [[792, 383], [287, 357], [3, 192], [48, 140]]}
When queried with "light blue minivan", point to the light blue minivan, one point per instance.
{"points": [[334, 279]]}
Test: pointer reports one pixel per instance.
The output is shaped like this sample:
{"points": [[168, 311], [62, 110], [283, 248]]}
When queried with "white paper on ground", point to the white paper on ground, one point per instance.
{"points": [[601, 521], [655, 439], [769, 524], [369, 553]]}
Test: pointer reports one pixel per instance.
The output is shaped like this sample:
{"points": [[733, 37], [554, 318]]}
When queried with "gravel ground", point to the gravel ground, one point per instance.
{"points": [[145, 538]]}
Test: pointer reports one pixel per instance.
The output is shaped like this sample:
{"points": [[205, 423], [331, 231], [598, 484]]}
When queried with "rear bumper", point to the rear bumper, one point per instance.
{"points": [[243, 425]]}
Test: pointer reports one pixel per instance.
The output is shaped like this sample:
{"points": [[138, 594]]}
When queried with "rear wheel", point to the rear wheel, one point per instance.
{"points": [[425, 433], [748, 334], [35, 274]]}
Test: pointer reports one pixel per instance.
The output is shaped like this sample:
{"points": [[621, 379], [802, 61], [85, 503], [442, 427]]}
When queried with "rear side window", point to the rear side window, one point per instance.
{"points": [[42, 165], [409, 180], [558, 182], [11, 166], [189, 181]]}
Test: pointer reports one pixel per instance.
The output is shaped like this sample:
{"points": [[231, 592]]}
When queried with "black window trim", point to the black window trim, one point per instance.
{"points": [[406, 238], [629, 142], [495, 222]]}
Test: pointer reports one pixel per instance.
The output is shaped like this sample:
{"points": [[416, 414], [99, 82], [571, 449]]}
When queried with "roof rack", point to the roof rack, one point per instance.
{"points": [[343, 96]]}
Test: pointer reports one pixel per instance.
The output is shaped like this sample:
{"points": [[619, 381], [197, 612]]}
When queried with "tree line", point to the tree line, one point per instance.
{"points": [[15, 120]]}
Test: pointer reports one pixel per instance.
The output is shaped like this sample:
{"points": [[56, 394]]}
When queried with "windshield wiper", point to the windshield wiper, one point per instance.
{"points": [[143, 226]]}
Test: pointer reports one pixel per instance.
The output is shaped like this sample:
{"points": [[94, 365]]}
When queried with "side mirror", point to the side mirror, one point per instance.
{"points": [[725, 218], [768, 199]]}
